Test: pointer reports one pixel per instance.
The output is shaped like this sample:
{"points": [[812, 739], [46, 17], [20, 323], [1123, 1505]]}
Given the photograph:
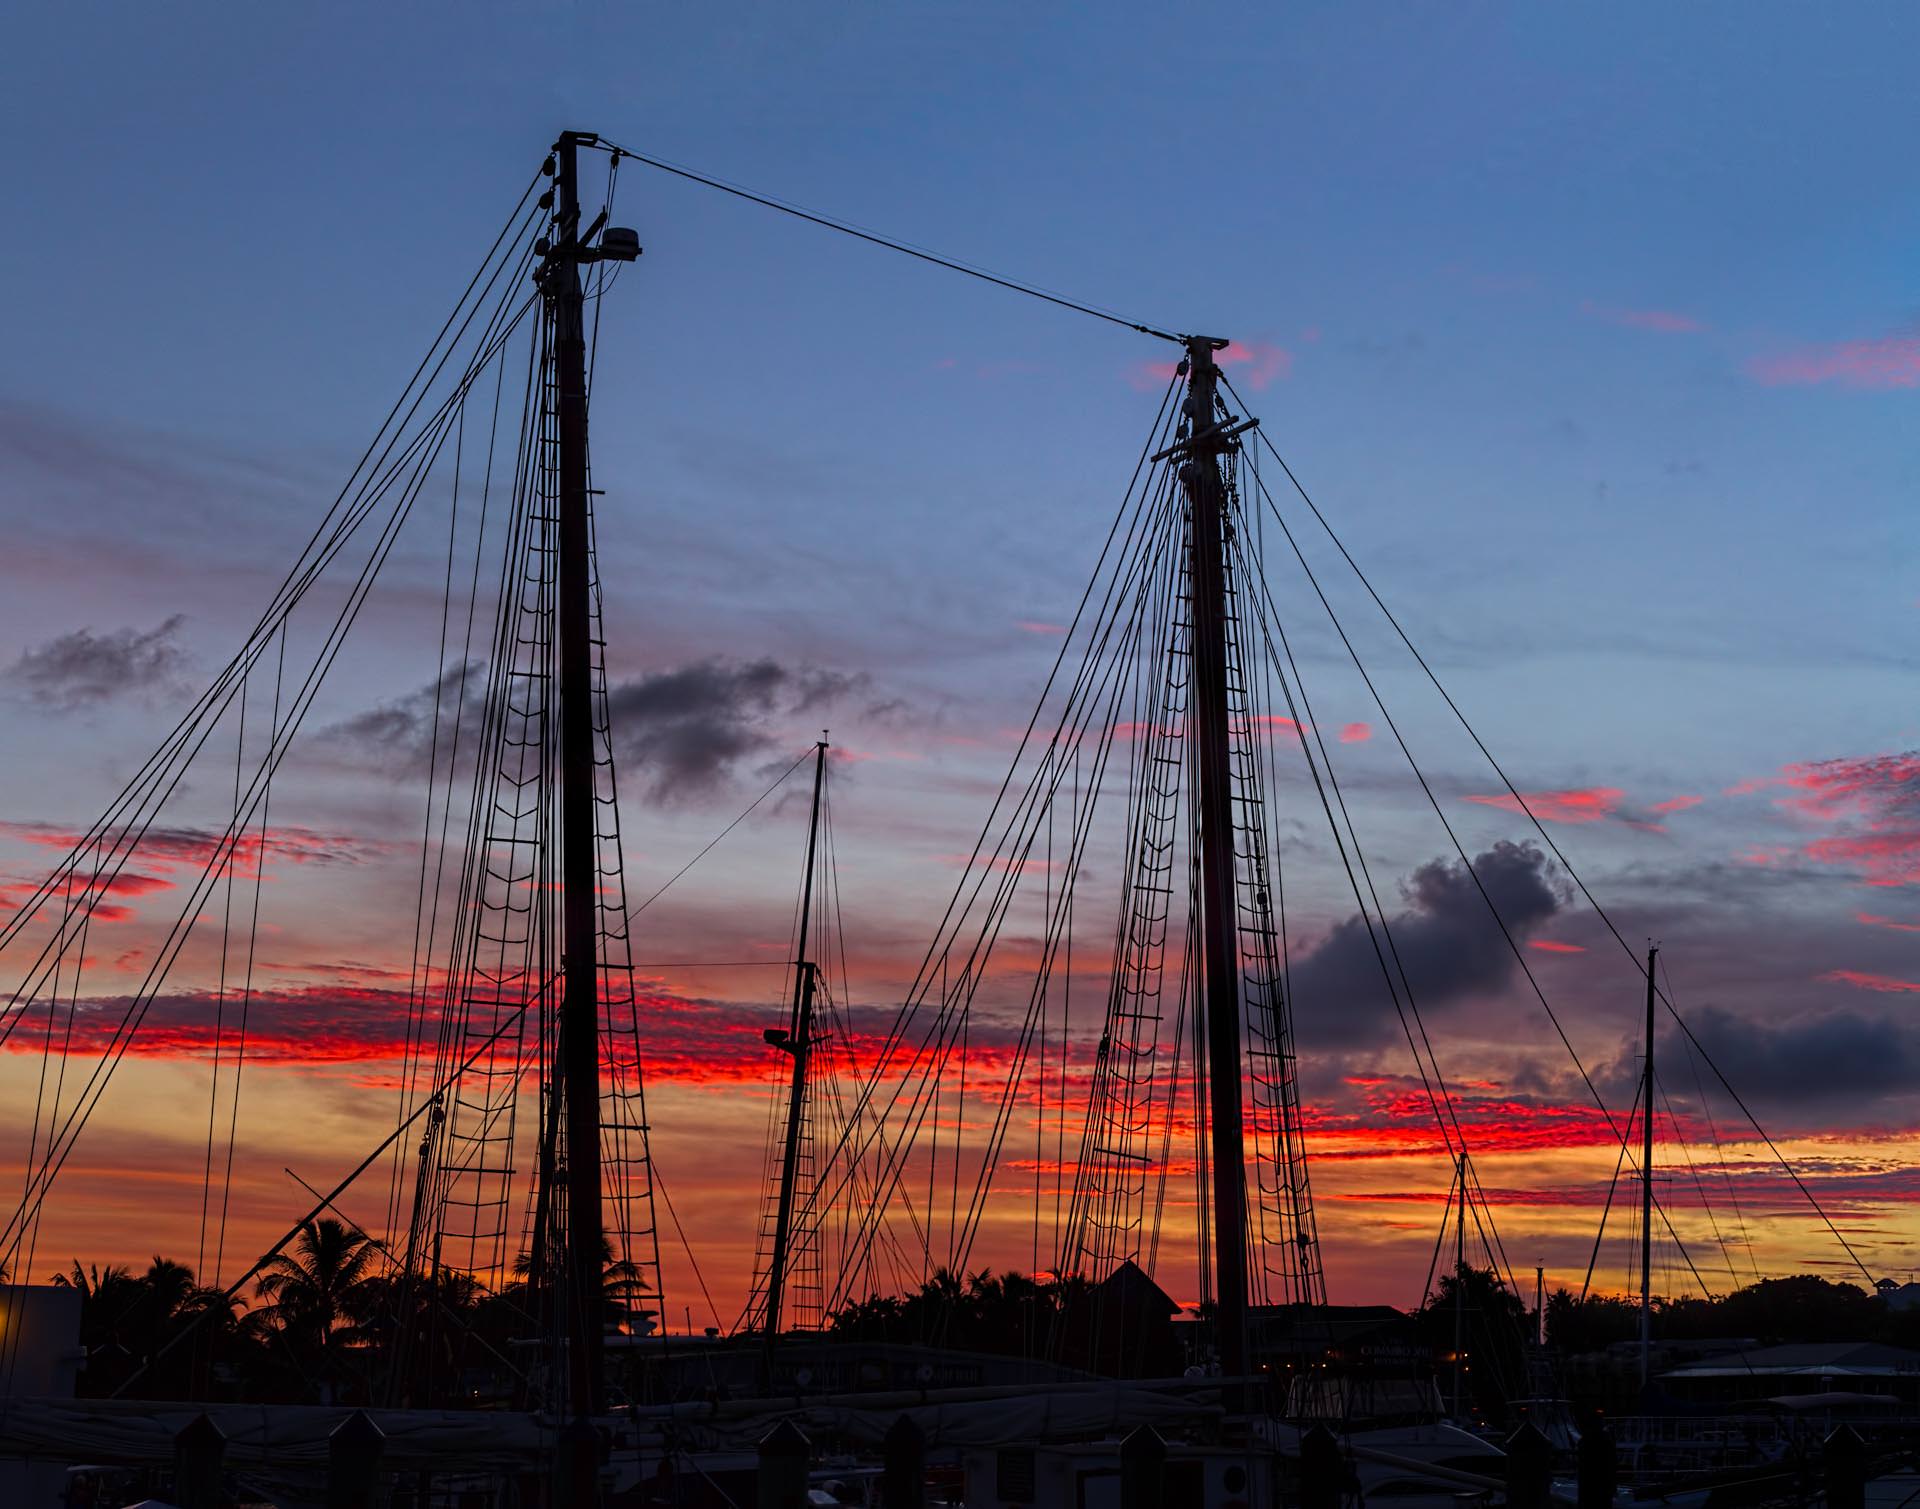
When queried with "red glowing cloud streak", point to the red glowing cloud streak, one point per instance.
{"points": [[1890, 362], [1860, 979], [688, 1042], [1663, 321], [177, 848], [1586, 804], [1868, 919], [1771, 1192]]}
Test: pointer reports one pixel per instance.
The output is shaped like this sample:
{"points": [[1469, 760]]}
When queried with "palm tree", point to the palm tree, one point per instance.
{"points": [[316, 1295], [168, 1285], [90, 1281], [125, 1319]]}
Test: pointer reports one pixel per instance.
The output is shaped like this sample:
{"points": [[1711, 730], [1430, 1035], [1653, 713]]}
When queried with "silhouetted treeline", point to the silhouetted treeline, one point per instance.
{"points": [[1805, 1307], [323, 1324]]}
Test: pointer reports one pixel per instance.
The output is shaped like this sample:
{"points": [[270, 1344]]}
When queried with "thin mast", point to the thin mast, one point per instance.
{"points": [[1646, 1187], [579, 1039], [1219, 888], [1459, 1282], [798, 1041]]}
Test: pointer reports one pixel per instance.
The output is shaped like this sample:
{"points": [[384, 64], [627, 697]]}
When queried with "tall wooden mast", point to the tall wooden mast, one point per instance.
{"points": [[1212, 760], [578, 1069]]}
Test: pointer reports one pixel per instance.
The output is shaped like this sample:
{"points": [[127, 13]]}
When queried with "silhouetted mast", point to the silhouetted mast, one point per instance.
{"points": [[579, 1052], [798, 1041], [1460, 1283], [1646, 1187], [1206, 497], [577, 1071]]}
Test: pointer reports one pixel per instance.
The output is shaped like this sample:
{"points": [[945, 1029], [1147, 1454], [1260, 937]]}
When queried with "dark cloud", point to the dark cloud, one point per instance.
{"points": [[83, 669], [1812, 1060], [397, 737], [1445, 938], [688, 728], [683, 731]]}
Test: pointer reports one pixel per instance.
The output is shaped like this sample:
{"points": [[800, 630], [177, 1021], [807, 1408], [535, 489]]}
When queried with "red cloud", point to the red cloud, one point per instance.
{"points": [[1356, 733], [1678, 803], [1759, 1188], [172, 848], [1883, 859], [689, 1042], [1666, 321], [19, 892], [1398, 1119], [1580, 805], [1130, 729], [1899, 927], [128, 883], [1035, 626], [1886, 984], [1860, 785], [1263, 361], [1551, 946], [1878, 794], [1891, 362]]}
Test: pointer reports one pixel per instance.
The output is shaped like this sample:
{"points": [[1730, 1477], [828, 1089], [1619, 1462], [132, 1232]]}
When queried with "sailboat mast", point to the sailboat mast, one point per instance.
{"points": [[799, 1041], [1646, 1187], [1459, 1282], [1212, 756], [578, 1069]]}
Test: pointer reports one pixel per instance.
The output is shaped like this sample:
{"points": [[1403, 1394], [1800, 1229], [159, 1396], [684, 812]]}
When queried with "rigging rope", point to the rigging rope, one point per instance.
{"points": [[1540, 828]]}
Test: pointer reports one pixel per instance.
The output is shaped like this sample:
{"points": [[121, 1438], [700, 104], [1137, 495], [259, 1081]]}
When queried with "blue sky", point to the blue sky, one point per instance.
{"points": [[1594, 329]]}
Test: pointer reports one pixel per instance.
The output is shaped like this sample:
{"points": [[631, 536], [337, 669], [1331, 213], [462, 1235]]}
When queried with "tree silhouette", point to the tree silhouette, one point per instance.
{"points": [[1496, 1326], [316, 1294]]}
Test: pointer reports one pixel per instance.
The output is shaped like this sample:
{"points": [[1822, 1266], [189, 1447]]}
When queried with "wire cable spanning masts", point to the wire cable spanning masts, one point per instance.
{"points": [[889, 243]]}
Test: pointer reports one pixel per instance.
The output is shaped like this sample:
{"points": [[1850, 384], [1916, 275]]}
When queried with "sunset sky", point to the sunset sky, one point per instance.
{"points": [[1596, 335]]}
